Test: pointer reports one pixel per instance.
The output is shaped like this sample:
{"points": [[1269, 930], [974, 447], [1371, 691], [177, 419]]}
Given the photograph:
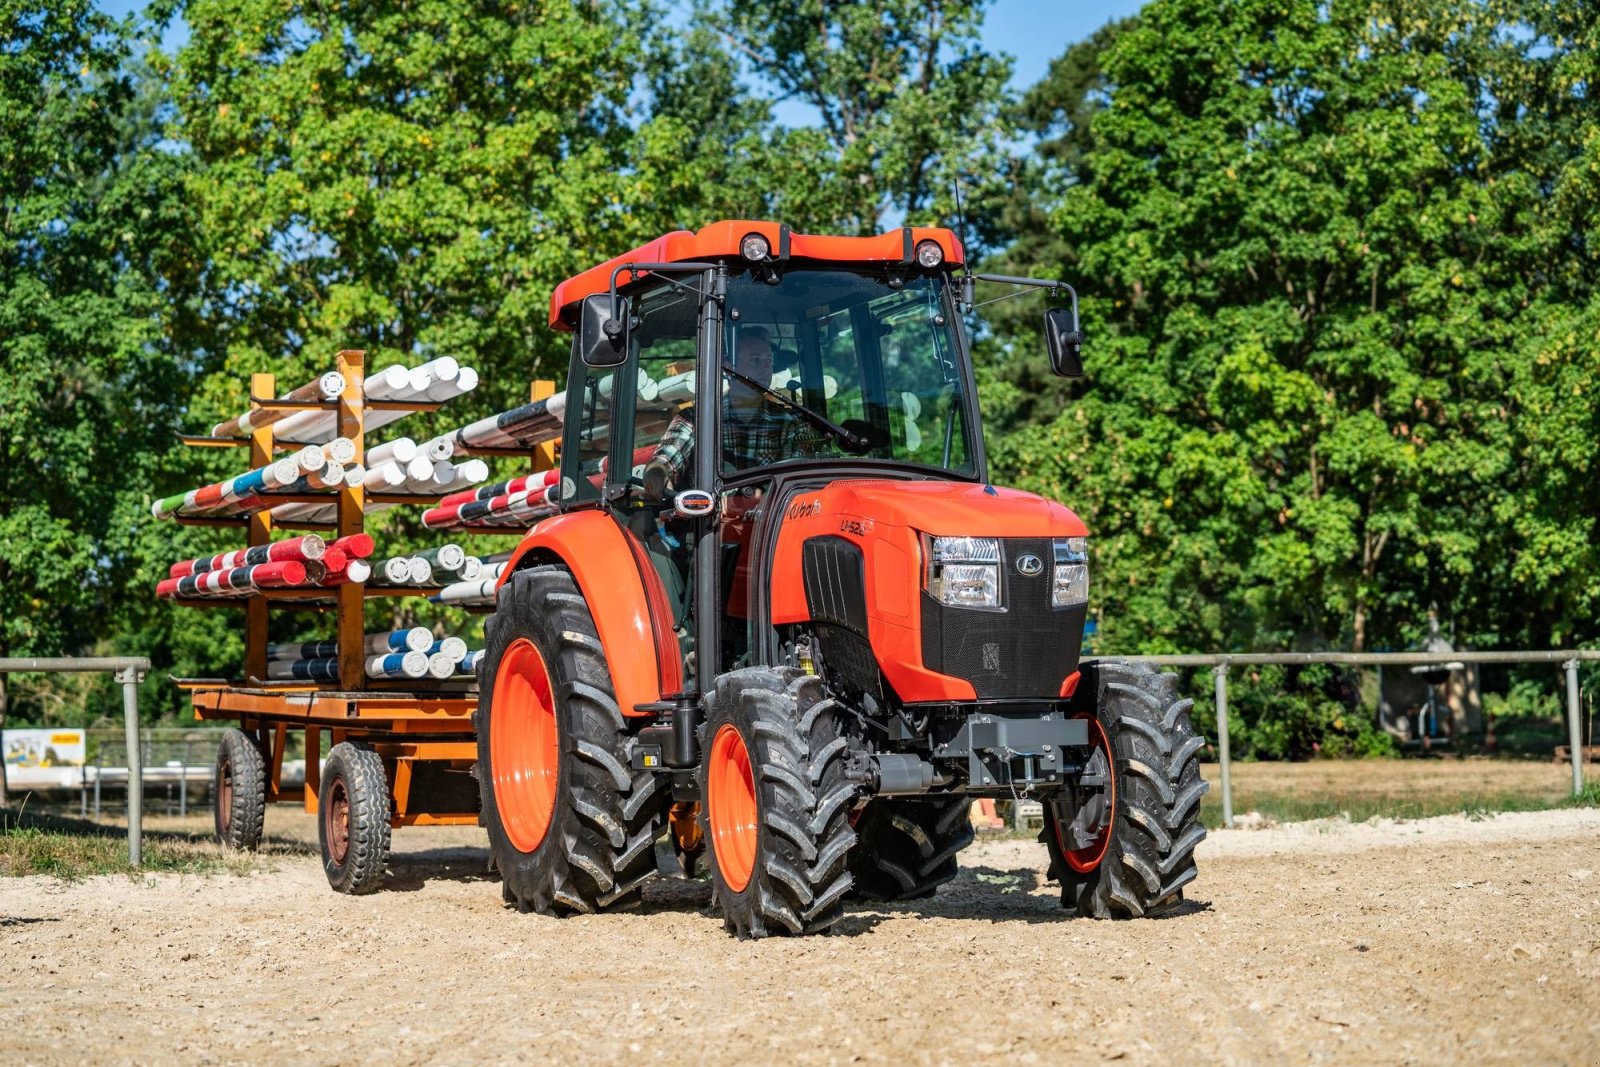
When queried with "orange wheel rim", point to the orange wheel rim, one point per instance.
{"points": [[225, 794], [336, 821], [523, 745], [732, 808], [1083, 860]]}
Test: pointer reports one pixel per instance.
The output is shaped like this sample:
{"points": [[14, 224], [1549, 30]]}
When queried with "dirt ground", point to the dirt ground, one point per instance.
{"points": [[1437, 941]]}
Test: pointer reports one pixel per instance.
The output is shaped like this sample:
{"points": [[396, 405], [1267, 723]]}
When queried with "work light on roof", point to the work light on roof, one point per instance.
{"points": [[929, 254], [755, 248]]}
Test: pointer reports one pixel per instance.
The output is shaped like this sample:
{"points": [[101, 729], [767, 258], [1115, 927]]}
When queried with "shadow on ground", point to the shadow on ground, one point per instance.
{"points": [[980, 893], [411, 871]]}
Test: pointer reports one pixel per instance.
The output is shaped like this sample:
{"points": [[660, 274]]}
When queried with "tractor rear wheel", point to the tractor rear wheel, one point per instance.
{"points": [[777, 813], [571, 825], [239, 791], [906, 849], [354, 825], [1122, 843]]}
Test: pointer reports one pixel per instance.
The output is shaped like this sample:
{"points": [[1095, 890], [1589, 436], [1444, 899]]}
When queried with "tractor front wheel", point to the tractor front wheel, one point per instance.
{"points": [[571, 825], [777, 813], [1122, 841]]}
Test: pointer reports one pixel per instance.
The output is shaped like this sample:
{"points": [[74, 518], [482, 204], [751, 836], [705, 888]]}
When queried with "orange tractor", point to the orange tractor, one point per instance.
{"points": [[783, 617]]}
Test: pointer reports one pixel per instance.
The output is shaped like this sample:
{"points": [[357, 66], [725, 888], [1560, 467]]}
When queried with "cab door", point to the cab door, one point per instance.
{"points": [[622, 418]]}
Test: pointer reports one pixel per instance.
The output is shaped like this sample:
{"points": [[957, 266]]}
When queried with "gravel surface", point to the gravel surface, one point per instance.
{"points": [[1440, 941]]}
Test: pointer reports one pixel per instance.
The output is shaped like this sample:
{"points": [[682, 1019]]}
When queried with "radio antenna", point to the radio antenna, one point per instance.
{"points": [[961, 218], [967, 285]]}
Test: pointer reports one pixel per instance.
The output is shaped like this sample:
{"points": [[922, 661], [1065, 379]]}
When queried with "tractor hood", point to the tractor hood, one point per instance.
{"points": [[943, 508]]}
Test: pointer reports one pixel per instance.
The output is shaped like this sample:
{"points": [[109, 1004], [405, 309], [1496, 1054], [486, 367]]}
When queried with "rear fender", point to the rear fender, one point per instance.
{"points": [[594, 548]]}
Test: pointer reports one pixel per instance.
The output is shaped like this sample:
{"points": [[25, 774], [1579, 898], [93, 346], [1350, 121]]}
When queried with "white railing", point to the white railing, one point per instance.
{"points": [[128, 671], [1219, 664]]}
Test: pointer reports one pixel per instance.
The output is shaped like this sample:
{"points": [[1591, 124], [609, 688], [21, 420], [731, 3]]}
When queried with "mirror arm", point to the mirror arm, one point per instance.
{"points": [[636, 269], [613, 325], [1037, 283]]}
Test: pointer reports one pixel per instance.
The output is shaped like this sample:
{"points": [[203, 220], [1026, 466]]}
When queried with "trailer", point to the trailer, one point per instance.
{"points": [[395, 759], [381, 754]]}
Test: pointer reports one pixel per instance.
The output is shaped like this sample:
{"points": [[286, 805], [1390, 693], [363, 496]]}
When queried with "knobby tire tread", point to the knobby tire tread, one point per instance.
{"points": [[367, 786], [247, 815], [801, 875], [598, 851], [1156, 822], [907, 848]]}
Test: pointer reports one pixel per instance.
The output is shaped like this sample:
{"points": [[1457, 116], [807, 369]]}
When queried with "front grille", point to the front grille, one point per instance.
{"points": [[1022, 652], [834, 575]]}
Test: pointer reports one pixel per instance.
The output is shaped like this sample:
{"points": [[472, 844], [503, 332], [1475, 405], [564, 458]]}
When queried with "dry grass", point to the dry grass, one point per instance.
{"points": [[1394, 789], [70, 849]]}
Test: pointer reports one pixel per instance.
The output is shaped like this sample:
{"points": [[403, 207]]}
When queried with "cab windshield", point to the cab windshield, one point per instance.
{"points": [[876, 360]]}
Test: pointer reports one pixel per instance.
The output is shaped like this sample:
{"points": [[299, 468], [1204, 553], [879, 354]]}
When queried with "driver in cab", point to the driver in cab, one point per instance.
{"points": [[754, 430]]}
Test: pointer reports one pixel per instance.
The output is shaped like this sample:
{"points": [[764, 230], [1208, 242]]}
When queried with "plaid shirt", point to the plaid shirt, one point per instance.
{"points": [[748, 440]]}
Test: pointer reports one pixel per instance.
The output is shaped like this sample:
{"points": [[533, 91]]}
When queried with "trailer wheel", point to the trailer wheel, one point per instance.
{"points": [[1122, 843], [354, 819], [907, 848], [572, 826], [777, 813], [239, 791]]}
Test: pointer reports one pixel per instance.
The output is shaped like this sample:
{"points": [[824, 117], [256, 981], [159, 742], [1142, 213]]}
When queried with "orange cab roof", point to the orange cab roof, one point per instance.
{"points": [[722, 239]]}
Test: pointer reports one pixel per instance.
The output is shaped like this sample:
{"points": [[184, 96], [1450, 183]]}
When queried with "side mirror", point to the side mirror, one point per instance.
{"points": [[603, 331], [1062, 338]]}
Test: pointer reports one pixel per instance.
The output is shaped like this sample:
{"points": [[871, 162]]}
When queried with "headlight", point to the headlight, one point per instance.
{"points": [[963, 572], [755, 248], [1071, 582], [929, 254]]}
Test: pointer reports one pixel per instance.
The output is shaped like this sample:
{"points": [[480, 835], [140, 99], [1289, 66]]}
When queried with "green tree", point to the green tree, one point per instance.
{"points": [[415, 181], [1056, 116], [1548, 586], [1311, 234], [908, 102], [96, 291]]}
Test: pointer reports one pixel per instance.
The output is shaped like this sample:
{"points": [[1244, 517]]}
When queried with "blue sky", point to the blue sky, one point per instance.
{"points": [[1033, 32]]}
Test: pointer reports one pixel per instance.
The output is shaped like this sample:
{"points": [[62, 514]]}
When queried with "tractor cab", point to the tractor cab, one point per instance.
{"points": [[801, 359], [782, 615]]}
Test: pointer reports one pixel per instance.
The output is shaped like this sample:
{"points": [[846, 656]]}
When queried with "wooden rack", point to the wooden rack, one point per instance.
{"points": [[350, 504]]}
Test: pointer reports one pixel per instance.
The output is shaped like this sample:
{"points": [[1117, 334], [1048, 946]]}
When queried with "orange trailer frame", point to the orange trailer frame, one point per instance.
{"points": [[405, 729]]}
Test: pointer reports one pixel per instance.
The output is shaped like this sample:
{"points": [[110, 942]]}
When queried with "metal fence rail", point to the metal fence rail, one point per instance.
{"points": [[174, 757], [1219, 664], [128, 671]]}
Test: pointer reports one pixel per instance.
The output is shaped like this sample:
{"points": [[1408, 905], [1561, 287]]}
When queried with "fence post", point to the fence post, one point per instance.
{"points": [[129, 677], [1220, 673], [1574, 734], [183, 779]]}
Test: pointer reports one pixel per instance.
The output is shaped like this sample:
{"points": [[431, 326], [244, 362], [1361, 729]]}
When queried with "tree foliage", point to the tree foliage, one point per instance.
{"points": [[908, 103], [1337, 261], [97, 278], [1319, 241], [415, 179]]}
